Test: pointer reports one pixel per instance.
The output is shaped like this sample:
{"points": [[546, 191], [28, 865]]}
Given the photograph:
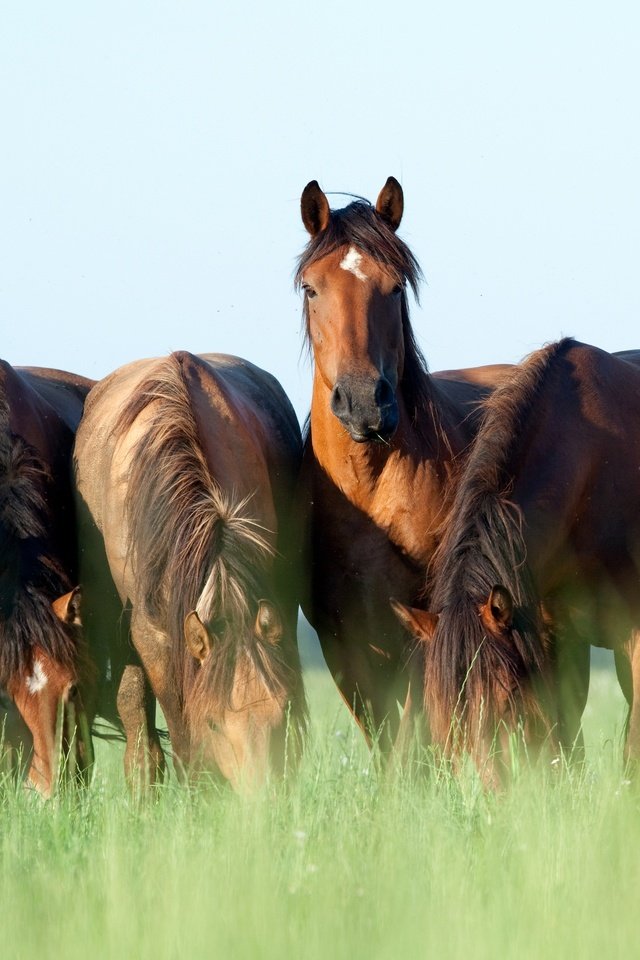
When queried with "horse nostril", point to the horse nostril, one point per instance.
{"points": [[384, 395], [339, 401]]}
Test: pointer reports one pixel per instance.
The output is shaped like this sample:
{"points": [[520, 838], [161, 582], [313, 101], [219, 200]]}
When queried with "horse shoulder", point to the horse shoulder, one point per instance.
{"points": [[65, 392]]}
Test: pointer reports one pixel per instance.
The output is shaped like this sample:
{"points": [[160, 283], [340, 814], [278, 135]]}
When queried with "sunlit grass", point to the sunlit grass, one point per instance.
{"points": [[341, 862]]}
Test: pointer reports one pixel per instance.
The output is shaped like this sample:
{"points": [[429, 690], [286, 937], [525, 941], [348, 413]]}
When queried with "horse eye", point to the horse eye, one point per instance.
{"points": [[213, 726], [309, 291], [397, 290], [218, 626]]}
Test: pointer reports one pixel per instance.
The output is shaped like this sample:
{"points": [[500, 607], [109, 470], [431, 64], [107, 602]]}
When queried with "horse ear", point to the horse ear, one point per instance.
{"points": [[390, 203], [67, 607], [196, 636], [421, 624], [314, 208], [268, 622], [497, 612]]}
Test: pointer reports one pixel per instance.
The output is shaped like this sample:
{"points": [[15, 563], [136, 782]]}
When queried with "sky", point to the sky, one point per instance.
{"points": [[153, 156]]}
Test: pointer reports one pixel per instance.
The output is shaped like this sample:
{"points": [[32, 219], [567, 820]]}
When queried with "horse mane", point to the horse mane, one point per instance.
{"points": [[360, 225], [192, 546], [483, 546], [36, 576]]}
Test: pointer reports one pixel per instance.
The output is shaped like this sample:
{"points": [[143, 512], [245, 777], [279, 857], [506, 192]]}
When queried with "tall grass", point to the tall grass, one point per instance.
{"points": [[341, 862]]}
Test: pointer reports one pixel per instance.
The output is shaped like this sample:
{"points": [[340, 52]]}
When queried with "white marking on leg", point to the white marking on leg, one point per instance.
{"points": [[38, 679], [351, 262]]}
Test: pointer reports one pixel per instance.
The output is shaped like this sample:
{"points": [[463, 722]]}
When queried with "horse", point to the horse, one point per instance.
{"points": [[41, 652], [185, 469], [383, 448], [540, 557]]}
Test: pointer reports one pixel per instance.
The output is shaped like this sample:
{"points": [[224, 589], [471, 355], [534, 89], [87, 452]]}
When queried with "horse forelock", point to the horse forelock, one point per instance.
{"points": [[28, 624], [465, 663], [211, 688], [243, 550], [359, 225]]}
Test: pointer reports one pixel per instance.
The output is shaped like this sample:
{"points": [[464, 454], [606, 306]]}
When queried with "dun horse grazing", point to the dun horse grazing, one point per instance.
{"points": [[541, 555], [185, 469], [384, 445], [40, 653]]}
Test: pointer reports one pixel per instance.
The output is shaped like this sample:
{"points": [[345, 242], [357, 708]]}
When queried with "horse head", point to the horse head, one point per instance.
{"points": [[44, 694], [245, 697], [354, 273], [485, 691]]}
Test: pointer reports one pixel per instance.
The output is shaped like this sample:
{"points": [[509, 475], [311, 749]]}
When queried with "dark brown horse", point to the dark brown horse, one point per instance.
{"points": [[384, 446], [185, 469], [40, 654], [540, 557]]}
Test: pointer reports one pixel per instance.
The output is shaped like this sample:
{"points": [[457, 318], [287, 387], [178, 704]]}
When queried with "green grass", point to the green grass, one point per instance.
{"points": [[341, 863]]}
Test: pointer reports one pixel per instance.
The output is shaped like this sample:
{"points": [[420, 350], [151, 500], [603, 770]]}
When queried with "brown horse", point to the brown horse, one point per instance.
{"points": [[40, 651], [540, 557], [383, 450], [185, 468]]}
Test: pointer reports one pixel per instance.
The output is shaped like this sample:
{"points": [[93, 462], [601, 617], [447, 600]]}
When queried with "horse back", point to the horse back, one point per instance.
{"points": [[261, 411], [65, 392], [565, 434], [236, 413], [488, 377], [42, 408]]}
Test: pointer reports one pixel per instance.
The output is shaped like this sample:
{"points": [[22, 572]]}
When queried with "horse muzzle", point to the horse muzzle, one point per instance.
{"points": [[367, 408]]}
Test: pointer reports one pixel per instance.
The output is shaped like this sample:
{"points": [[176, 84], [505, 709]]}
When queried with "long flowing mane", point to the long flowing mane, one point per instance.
{"points": [[193, 546], [360, 225], [483, 545], [31, 574]]}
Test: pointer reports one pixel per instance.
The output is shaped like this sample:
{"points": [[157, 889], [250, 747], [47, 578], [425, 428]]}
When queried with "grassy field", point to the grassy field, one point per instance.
{"points": [[340, 863]]}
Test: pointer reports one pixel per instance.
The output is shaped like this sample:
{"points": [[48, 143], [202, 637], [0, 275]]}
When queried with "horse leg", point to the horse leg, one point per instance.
{"points": [[573, 660], [413, 728], [155, 655], [628, 669], [368, 690], [143, 758]]}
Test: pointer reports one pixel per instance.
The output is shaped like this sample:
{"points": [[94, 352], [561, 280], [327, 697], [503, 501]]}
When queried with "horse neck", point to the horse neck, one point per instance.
{"points": [[419, 454]]}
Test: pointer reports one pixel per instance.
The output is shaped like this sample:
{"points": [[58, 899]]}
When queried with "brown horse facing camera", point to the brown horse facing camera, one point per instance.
{"points": [[41, 660], [383, 450], [185, 469], [541, 556]]}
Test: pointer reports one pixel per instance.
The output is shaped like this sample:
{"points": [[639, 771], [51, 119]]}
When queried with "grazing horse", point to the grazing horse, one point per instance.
{"points": [[40, 647], [185, 469], [541, 556], [384, 446]]}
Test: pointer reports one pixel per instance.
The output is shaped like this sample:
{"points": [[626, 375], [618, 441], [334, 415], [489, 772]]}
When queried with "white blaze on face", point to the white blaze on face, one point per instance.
{"points": [[351, 262], [38, 679]]}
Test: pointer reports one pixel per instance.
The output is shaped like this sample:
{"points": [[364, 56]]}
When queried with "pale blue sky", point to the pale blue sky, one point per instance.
{"points": [[153, 156]]}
